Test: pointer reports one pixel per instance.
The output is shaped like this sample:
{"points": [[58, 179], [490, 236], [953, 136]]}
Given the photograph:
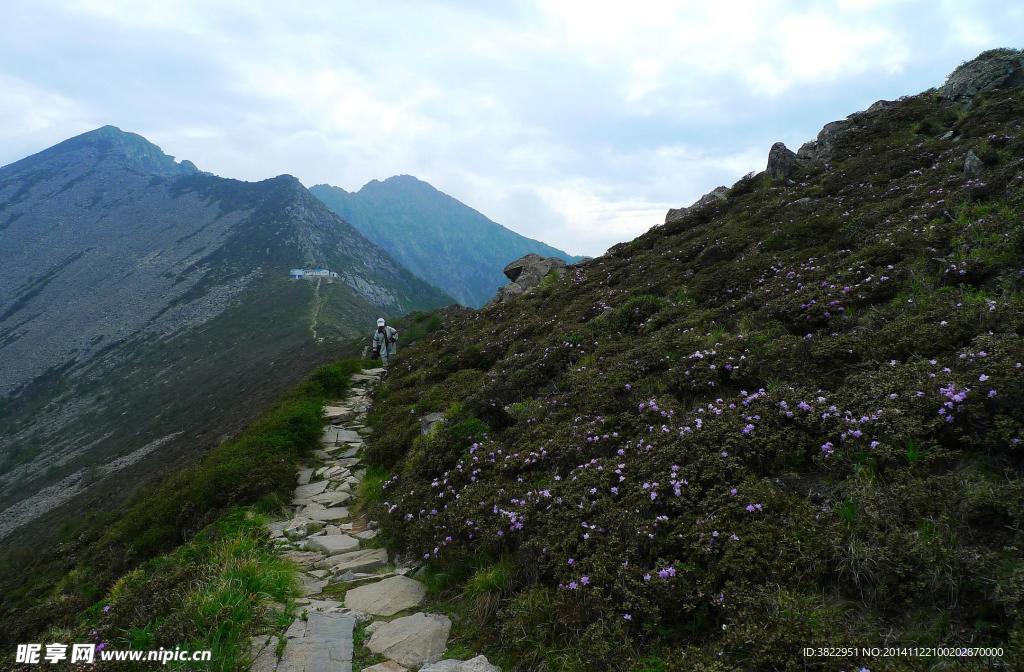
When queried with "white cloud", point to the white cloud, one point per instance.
{"points": [[576, 121]]}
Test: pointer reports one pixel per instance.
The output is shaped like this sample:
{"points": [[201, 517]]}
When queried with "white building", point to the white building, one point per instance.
{"points": [[311, 273]]}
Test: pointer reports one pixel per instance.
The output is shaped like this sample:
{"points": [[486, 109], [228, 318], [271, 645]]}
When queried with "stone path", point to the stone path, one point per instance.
{"points": [[328, 545]]}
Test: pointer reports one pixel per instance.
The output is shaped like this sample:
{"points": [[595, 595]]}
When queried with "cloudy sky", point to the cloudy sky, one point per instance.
{"points": [[575, 121]]}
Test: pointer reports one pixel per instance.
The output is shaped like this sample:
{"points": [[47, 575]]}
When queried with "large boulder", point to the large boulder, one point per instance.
{"points": [[526, 273], [991, 70], [716, 195], [782, 162]]}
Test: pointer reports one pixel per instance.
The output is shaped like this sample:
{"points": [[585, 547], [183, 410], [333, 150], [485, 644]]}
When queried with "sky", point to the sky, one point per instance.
{"points": [[577, 122]]}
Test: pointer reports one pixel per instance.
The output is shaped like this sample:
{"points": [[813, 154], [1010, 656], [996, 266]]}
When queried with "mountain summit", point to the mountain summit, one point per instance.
{"points": [[440, 239]]}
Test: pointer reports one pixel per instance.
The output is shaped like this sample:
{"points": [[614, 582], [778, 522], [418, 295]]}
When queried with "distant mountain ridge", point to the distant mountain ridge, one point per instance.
{"points": [[438, 238], [140, 297]]}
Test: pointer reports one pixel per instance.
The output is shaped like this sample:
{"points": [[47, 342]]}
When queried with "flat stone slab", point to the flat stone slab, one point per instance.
{"points": [[386, 597], [386, 666], [263, 652], [333, 497], [304, 476], [310, 489], [333, 434], [477, 664], [312, 585], [321, 643], [326, 515], [412, 641], [334, 412], [356, 561], [333, 544]]}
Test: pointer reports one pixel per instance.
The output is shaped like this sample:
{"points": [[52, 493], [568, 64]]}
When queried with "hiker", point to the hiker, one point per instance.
{"points": [[385, 342]]}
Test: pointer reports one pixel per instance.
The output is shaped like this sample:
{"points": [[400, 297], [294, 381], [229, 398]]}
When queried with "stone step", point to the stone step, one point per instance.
{"points": [[321, 643], [412, 641], [364, 560], [327, 515], [332, 544], [386, 597]]}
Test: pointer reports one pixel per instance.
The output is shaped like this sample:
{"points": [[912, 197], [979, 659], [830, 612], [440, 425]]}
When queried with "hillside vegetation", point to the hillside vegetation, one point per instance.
{"points": [[186, 562], [789, 418]]}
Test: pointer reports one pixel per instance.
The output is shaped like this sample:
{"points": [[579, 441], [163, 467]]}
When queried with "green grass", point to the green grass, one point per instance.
{"points": [[186, 561], [230, 585]]}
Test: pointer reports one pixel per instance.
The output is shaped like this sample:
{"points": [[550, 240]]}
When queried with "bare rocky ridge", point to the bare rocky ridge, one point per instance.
{"points": [[140, 296]]}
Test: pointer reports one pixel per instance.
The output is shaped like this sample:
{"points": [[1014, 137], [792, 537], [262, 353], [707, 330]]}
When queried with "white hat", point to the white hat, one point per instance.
{"points": [[380, 321]]}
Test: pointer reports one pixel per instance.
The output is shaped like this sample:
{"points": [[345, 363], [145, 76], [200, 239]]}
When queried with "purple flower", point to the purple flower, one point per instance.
{"points": [[983, 377], [992, 393], [585, 580], [106, 609], [628, 387], [627, 617]]}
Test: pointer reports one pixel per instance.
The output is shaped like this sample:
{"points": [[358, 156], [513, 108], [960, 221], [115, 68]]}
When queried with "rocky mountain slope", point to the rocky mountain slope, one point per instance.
{"points": [[142, 299], [441, 240], [789, 417]]}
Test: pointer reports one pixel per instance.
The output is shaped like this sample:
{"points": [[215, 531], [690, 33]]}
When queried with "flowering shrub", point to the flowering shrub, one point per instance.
{"points": [[796, 424]]}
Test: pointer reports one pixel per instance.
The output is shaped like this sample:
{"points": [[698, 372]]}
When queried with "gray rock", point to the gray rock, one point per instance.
{"points": [[526, 273], [973, 166], [263, 652], [477, 664], [991, 70], [386, 666], [782, 163], [311, 585], [310, 489], [321, 643], [302, 527], [447, 665], [716, 195], [333, 498], [820, 149], [355, 561], [333, 544], [387, 597], [327, 515], [429, 421], [413, 640], [304, 476]]}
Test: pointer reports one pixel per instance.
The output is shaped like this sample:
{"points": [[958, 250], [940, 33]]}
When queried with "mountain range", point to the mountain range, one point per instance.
{"points": [[440, 239], [145, 309]]}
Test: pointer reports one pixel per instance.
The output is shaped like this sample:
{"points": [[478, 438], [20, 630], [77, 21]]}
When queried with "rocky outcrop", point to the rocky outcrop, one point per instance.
{"points": [[526, 273], [820, 149], [972, 164], [716, 195], [782, 162], [991, 70]]}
